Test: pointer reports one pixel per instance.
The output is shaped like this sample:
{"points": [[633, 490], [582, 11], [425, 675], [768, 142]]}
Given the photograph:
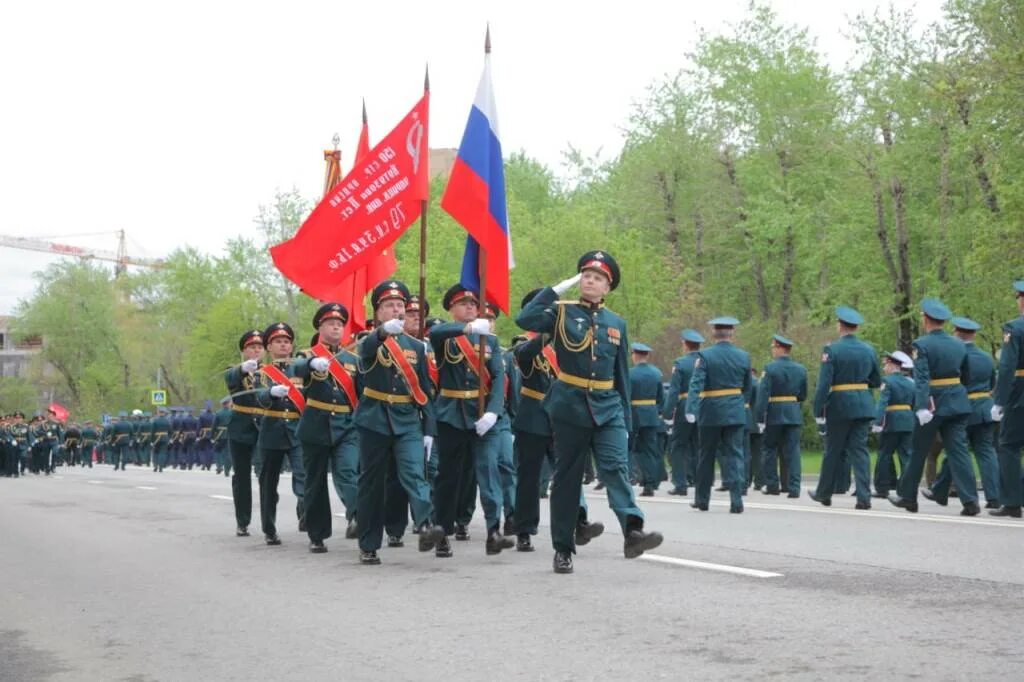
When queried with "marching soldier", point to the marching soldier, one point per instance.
{"points": [[19, 448], [189, 437], [894, 421], [588, 405], [467, 441], [941, 376], [753, 472], [72, 444], [980, 426], [646, 395], [506, 459], [90, 437], [395, 422], [327, 433], [160, 438], [783, 389], [244, 427], [282, 403], [1008, 407], [221, 452], [716, 402], [683, 453], [204, 445], [120, 439], [843, 404]]}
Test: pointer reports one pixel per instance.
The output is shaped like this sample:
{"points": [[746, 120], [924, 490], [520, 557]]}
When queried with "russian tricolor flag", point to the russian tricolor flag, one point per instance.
{"points": [[475, 197]]}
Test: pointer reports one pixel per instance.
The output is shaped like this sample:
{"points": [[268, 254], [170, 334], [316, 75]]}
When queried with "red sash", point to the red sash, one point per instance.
{"points": [[278, 377], [435, 375], [344, 379], [473, 360], [407, 371], [549, 354]]}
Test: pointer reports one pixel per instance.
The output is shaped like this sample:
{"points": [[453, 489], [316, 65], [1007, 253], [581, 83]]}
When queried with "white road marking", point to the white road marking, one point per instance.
{"points": [[861, 513], [705, 566], [145, 487], [96, 482], [223, 497]]}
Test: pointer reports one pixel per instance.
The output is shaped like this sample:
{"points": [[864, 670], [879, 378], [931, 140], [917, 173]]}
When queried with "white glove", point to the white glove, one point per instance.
{"points": [[668, 422], [567, 284], [924, 416], [484, 423], [820, 421], [249, 366], [393, 327], [319, 364], [876, 428], [279, 390], [760, 427], [691, 418], [428, 443], [479, 326], [997, 413]]}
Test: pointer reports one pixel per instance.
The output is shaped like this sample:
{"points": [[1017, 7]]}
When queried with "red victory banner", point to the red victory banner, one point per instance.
{"points": [[364, 213]]}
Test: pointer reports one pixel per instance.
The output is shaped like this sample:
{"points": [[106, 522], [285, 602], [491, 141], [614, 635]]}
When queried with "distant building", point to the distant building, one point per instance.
{"points": [[15, 357], [441, 162]]}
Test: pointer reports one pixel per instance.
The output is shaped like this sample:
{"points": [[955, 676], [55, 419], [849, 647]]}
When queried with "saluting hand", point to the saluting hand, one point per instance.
{"points": [[393, 327], [479, 326], [249, 366], [567, 284]]}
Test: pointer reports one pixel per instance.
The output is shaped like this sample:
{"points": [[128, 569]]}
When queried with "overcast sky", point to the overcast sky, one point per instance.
{"points": [[175, 120]]}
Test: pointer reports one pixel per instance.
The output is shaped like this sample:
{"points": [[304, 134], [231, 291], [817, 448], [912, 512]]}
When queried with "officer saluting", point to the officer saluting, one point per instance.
{"points": [[843, 403], [717, 404], [588, 405], [1008, 407], [941, 372]]}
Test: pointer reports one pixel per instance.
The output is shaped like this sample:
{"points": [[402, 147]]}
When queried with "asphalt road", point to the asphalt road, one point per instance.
{"points": [[138, 576]]}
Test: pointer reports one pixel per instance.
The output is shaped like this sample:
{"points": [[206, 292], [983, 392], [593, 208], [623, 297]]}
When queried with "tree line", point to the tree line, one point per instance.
{"points": [[756, 182]]}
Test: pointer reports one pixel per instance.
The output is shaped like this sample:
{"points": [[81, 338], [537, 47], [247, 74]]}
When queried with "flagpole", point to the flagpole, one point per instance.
{"points": [[423, 236], [482, 352]]}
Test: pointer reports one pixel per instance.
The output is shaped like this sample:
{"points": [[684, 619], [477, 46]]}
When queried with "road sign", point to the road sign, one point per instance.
{"points": [[158, 397]]}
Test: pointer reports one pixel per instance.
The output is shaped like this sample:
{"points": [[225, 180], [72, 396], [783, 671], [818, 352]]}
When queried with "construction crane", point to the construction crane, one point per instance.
{"points": [[120, 257]]}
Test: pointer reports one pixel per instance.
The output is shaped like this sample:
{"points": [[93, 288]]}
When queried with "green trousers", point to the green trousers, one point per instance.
{"points": [[572, 445], [846, 439], [953, 431]]}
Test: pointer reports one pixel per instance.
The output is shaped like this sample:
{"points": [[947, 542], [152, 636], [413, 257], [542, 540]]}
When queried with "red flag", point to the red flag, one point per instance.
{"points": [[352, 291], [365, 213], [59, 411]]}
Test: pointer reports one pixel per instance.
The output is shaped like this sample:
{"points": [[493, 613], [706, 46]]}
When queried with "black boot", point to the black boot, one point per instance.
{"points": [[587, 531], [639, 541], [461, 532], [1011, 512], [443, 549], [563, 562], [369, 558], [497, 542], [524, 544], [430, 537]]}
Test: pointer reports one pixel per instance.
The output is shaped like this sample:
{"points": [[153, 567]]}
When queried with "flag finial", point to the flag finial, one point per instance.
{"points": [[336, 140], [487, 39], [426, 78], [364, 111]]}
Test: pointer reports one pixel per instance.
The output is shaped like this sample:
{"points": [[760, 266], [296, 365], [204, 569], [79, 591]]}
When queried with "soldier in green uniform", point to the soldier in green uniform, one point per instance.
{"points": [[244, 427], [683, 443], [1008, 408], [121, 440], [72, 444], [980, 426], [467, 441], [327, 433], [646, 394], [395, 422], [160, 438], [782, 391], [716, 402], [537, 366], [20, 436], [941, 377], [282, 402], [844, 405], [506, 458], [90, 436], [221, 452], [894, 421], [753, 471], [588, 405]]}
